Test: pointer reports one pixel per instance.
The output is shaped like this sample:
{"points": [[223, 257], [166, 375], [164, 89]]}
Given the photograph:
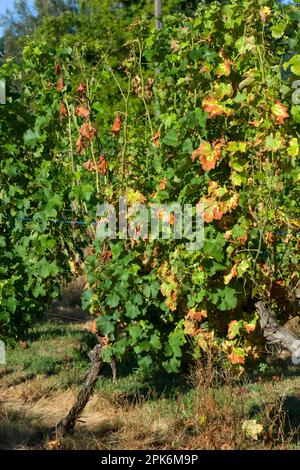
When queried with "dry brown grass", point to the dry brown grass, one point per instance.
{"points": [[111, 422], [208, 415], [105, 423]]}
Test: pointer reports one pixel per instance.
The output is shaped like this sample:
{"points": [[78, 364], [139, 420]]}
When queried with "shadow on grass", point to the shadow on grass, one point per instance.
{"points": [[280, 419], [49, 330], [148, 385], [282, 368], [16, 432], [291, 407]]}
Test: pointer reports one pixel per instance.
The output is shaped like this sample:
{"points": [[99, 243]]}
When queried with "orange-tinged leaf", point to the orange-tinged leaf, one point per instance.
{"points": [[88, 131], [232, 203], [60, 85], [212, 188], [62, 111], [175, 45], [264, 13], [117, 125], [82, 112], [228, 235], [89, 165], [222, 89], [236, 358], [218, 202], [102, 165], [81, 90], [203, 148], [172, 218], [224, 68], [197, 315], [155, 139], [208, 154], [162, 185], [80, 145], [249, 327], [214, 108], [54, 444], [213, 210], [279, 112], [233, 329]]}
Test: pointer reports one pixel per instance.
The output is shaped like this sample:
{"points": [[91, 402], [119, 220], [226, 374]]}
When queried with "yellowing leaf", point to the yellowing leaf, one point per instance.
{"points": [[250, 327], [208, 154], [236, 146], [274, 143], [223, 68], [236, 179], [242, 267], [237, 356], [233, 329], [214, 108], [293, 148], [264, 13], [134, 197], [252, 429], [223, 89], [279, 112], [231, 275]]}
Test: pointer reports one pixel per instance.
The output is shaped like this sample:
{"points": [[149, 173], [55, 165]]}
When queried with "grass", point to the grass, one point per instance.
{"points": [[205, 409]]}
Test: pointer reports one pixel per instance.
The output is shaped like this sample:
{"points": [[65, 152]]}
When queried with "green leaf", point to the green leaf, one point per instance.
{"points": [[274, 143], [214, 247], [196, 53], [294, 62], [105, 324], [278, 29], [155, 341], [10, 303], [31, 137], [112, 300], [116, 249], [38, 291], [172, 365], [145, 362], [187, 147], [47, 269], [83, 191], [87, 299], [171, 138], [295, 111], [151, 290], [230, 300], [132, 311], [224, 299], [135, 332]]}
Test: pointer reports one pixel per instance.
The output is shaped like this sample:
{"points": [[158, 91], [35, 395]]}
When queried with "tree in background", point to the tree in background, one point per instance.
{"points": [[99, 21]]}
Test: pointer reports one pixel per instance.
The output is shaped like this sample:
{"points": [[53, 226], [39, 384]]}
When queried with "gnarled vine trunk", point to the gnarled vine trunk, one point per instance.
{"points": [[276, 334], [68, 422]]}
